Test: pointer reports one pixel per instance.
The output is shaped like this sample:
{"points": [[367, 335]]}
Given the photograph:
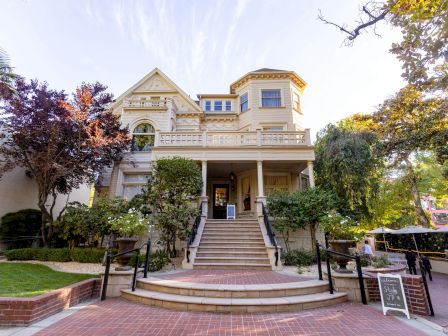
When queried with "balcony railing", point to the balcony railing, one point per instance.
{"points": [[152, 103], [232, 139]]}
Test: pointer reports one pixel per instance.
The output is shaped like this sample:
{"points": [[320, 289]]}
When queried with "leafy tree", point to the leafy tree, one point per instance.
{"points": [[173, 186], [349, 165], [6, 75], [17, 227], [297, 210], [61, 143]]}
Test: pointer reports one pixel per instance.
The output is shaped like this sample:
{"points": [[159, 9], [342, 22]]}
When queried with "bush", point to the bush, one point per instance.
{"points": [[15, 225], [380, 262], [299, 258], [57, 254], [157, 260]]}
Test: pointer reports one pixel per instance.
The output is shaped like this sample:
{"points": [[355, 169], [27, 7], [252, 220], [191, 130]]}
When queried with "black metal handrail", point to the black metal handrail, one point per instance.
{"points": [[110, 257], [270, 232], [425, 283], [357, 259], [192, 236]]}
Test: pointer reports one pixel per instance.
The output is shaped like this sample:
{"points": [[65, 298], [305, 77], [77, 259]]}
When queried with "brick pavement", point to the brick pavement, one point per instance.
{"points": [[118, 317], [438, 289], [233, 277]]}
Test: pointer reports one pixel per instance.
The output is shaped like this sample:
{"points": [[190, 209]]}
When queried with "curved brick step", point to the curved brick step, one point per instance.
{"points": [[237, 305], [232, 291]]}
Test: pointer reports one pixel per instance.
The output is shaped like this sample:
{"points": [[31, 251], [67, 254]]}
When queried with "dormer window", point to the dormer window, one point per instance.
{"points": [[271, 98], [244, 102], [218, 105], [208, 105]]}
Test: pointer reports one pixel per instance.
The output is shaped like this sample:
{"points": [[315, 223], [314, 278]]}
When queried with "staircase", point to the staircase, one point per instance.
{"points": [[232, 244]]}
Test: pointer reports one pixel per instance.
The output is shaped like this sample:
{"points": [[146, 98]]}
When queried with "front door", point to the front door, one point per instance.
{"points": [[220, 200]]}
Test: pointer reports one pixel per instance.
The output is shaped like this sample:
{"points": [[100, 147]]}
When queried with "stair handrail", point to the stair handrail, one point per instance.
{"points": [[110, 257], [270, 232], [194, 231]]}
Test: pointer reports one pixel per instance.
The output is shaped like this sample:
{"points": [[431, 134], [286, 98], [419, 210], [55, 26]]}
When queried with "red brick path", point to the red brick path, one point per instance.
{"points": [[118, 317], [438, 289], [233, 277]]}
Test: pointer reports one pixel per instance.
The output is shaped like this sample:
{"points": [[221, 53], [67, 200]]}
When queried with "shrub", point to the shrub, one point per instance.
{"points": [[380, 262], [57, 254], [157, 260], [15, 225], [299, 258]]}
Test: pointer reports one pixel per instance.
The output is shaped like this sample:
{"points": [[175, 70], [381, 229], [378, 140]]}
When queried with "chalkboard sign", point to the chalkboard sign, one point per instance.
{"points": [[392, 293], [230, 211]]}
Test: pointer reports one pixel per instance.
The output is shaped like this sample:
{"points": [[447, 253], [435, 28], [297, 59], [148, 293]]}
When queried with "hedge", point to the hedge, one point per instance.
{"points": [[157, 260], [82, 255]]}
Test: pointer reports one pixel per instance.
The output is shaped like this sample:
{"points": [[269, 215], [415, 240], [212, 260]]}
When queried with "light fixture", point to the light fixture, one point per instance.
{"points": [[232, 176]]}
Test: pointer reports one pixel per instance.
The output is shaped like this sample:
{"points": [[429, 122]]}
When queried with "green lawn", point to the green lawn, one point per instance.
{"points": [[25, 280]]}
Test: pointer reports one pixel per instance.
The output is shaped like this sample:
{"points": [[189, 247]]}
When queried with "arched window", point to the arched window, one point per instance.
{"points": [[143, 138]]}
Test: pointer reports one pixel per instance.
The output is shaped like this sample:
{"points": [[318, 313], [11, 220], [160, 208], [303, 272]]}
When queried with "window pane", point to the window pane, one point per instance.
{"points": [[142, 143], [208, 105], [144, 128], [218, 105], [244, 102], [270, 98], [228, 105]]}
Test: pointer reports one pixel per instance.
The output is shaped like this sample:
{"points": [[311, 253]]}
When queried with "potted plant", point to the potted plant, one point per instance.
{"points": [[129, 226], [342, 235]]}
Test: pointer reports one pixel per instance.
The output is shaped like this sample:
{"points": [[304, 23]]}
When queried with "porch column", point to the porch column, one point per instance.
{"points": [[260, 178], [311, 173], [204, 179]]}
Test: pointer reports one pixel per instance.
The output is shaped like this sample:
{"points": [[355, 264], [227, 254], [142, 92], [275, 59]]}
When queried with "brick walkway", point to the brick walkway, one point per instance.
{"points": [[233, 277], [118, 317], [438, 289]]}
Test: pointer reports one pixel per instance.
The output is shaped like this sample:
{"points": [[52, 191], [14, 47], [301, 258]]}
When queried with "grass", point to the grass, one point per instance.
{"points": [[27, 280]]}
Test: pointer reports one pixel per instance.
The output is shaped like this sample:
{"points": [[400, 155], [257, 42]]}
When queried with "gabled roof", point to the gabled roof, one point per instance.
{"points": [[155, 71]]}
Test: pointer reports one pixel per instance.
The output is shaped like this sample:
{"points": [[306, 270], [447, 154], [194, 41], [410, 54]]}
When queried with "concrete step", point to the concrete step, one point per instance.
{"points": [[233, 305], [224, 243], [230, 249], [233, 237], [239, 220], [231, 254], [240, 266], [232, 291], [232, 230], [232, 260], [207, 238]]}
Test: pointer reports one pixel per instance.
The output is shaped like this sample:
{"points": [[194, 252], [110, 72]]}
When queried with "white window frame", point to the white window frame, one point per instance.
{"points": [[205, 105], [246, 101], [272, 89], [214, 105], [228, 105]]}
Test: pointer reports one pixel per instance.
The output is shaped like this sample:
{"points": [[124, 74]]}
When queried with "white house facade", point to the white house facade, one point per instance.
{"points": [[248, 142]]}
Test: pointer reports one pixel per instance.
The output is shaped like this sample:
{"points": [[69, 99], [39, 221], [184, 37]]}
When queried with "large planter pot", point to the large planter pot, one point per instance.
{"points": [[341, 246], [125, 244]]}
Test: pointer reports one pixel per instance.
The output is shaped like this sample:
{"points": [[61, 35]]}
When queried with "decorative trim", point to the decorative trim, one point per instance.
{"points": [[269, 76]]}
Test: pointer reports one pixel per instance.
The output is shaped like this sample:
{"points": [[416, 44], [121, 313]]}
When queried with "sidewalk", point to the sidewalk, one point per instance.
{"points": [[438, 289]]}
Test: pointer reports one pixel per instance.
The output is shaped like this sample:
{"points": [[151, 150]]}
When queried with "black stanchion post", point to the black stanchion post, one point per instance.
{"points": [[428, 296], [330, 281], [319, 266], [106, 275], [148, 251], [361, 279], [326, 240], [137, 263]]}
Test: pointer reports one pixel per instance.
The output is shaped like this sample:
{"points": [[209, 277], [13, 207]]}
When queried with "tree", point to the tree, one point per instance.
{"points": [[297, 210], [6, 75], [173, 186], [424, 45], [61, 143], [349, 165]]}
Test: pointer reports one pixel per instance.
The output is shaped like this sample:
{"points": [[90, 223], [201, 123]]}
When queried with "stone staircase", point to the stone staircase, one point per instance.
{"points": [[232, 244], [268, 298]]}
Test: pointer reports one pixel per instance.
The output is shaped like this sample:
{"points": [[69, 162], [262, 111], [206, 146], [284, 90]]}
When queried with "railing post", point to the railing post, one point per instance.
{"points": [[326, 240], [319, 266], [360, 278], [137, 263], [428, 296], [106, 276], [148, 251], [330, 281]]}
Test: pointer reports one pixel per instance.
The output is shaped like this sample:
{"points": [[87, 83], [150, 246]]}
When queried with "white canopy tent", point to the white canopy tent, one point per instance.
{"points": [[413, 230], [382, 230]]}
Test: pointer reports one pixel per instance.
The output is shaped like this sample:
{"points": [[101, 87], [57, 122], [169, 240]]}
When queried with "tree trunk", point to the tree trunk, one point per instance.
{"points": [[421, 216], [285, 236], [313, 234]]}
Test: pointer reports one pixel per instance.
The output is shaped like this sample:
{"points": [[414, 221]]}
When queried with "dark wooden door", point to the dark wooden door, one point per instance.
{"points": [[220, 200]]}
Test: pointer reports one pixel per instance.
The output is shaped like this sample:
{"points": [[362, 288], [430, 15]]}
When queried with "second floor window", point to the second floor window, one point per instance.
{"points": [[271, 98], [218, 105], [208, 105], [143, 138], [228, 105], [244, 102]]}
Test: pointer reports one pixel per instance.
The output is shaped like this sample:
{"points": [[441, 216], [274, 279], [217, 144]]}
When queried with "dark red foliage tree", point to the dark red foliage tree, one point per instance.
{"points": [[62, 143]]}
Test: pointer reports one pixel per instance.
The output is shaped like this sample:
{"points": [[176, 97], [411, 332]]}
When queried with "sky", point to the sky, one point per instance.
{"points": [[203, 46]]}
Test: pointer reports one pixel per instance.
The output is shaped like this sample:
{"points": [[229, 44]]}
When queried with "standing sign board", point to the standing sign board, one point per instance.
{"points": [[230, 211], [392, 293]]}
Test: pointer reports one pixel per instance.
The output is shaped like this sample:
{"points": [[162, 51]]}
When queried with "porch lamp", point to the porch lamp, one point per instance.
{"points": [[232, 180]]}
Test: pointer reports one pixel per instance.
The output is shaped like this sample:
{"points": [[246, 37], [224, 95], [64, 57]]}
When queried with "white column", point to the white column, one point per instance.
{"points": [[260, 178], [311, 173], [204, 179]]}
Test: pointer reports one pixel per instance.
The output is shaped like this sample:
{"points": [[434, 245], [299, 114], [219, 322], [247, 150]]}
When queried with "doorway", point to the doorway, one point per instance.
{"points": [[220, 200]]}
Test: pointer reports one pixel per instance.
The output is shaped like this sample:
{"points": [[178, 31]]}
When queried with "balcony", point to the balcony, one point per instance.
{"points": [[233, 139], [154, 104]]}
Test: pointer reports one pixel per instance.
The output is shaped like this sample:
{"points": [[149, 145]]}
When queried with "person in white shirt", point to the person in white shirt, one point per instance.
{"points": [[367, 250]]}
